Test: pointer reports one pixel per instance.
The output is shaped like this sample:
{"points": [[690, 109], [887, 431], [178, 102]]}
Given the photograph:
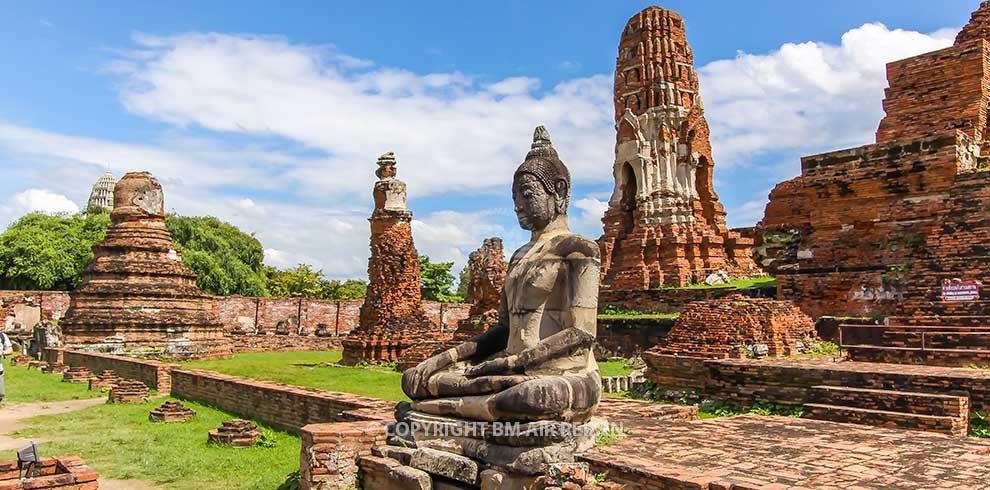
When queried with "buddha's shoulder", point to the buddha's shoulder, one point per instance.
{"points": [[574, 246]]}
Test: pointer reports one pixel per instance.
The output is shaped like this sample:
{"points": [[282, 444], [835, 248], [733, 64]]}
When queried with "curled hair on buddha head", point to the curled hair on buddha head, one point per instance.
{"points": [[543, 163]]}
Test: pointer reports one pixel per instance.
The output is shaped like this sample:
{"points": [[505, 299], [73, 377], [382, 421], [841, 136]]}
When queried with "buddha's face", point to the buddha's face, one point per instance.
{"points": [[535, 207]]}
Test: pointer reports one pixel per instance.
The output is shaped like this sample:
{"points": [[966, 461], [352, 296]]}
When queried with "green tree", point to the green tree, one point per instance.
{"points": [[226, 260], [300, 281], [46, 252], [437, 281], [463, 281], [349, 289]]}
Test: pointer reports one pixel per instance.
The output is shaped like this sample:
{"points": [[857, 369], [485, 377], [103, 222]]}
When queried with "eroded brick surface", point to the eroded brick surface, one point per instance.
{"points": [[136, 294], [664, 224], [877, 230], [752, 452], [392, 316]]}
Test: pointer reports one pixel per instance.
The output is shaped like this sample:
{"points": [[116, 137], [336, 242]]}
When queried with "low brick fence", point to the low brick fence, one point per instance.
{"points": [[628, 337], [283, 406], [789, 382], [268, 343], [154, 374], [673, 300]]}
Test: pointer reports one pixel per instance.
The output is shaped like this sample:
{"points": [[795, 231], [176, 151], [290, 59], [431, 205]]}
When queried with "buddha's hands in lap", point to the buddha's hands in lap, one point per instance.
{"points": [[499, 366]]}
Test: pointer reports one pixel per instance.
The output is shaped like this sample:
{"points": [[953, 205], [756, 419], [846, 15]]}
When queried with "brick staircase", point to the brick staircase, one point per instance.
{"points": [[944, 413]]}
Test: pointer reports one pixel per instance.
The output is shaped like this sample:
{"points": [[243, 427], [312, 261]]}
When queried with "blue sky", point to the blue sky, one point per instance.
{"points": [[271, 116]]}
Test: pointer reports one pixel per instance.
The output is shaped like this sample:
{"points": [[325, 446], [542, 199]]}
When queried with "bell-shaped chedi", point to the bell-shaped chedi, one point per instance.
{"points": [[137, 296], [392, 316], [664, 224]]}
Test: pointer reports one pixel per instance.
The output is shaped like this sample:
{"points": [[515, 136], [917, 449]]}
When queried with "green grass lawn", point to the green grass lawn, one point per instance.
{"points": [[613, 368], [31, 385], [635, 314], [756, 282], [307, 368], [119, 442]]}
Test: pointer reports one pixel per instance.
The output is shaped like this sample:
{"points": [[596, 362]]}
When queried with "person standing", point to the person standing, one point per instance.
{"points": [[6, 349]]}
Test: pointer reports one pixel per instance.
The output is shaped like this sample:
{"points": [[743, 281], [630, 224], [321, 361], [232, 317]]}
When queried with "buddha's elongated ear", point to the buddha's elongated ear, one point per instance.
{"points": [[562, 196]]}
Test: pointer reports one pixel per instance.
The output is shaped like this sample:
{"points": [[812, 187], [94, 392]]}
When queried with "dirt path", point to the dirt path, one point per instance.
{"points": [[13, 415]]}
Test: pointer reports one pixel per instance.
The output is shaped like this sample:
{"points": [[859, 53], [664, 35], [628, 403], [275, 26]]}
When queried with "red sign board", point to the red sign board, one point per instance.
{"points": [[960, 291]]}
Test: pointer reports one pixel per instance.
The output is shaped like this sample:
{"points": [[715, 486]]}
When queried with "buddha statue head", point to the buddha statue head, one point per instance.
{"points": [[541, 186]]}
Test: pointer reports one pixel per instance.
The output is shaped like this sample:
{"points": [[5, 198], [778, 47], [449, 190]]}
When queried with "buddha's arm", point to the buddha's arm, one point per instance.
{"points": [[414, 381]]}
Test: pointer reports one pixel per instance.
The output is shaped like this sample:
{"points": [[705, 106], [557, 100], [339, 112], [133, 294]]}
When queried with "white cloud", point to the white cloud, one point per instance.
{"points": [[450, 236], [449, 132], [589, 222], [807, 96], [292, 133], [42, 201]]}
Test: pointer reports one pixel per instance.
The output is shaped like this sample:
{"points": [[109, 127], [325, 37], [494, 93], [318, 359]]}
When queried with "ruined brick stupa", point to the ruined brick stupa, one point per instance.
{"points": [[392, 316], [137, 297], [890, 228], [664, 224]]}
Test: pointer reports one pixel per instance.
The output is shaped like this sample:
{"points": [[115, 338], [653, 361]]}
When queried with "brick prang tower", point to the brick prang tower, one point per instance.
{"points": [[664, 224]]}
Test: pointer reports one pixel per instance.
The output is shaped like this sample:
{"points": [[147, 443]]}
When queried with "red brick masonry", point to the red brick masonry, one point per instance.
{"points": [[64, 473], [283, 406], [752, 452]]}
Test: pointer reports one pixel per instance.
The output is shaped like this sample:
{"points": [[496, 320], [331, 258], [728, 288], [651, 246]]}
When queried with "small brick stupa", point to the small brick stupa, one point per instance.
{"points": [[106, 379], [734, 327], [129, 391], [235, 433], [137, 296], [664, 224], [171, 411], [77, 374], [392, 317], [486, 276]]}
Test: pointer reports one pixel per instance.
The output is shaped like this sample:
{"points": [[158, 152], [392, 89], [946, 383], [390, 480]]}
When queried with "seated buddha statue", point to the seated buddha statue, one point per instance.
{"points": [[537, 363]]}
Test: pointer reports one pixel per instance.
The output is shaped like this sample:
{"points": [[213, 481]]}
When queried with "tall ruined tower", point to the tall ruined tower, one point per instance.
{"points": [[392, 316], [664, 224]]}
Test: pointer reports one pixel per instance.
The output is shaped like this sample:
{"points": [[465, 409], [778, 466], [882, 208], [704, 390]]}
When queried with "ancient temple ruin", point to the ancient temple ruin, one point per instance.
{"points": [[392, 316], [101, 197], [664, 224], [486, 276], [137, 297], [899, 227]]}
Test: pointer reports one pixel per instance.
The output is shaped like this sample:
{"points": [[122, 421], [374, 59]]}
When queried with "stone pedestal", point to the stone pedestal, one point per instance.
{"points": [[171, 411], [425, 450], [128, 391], [137, 297], [235, 433], [392, 316], [78, 374], [106, 379]]}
